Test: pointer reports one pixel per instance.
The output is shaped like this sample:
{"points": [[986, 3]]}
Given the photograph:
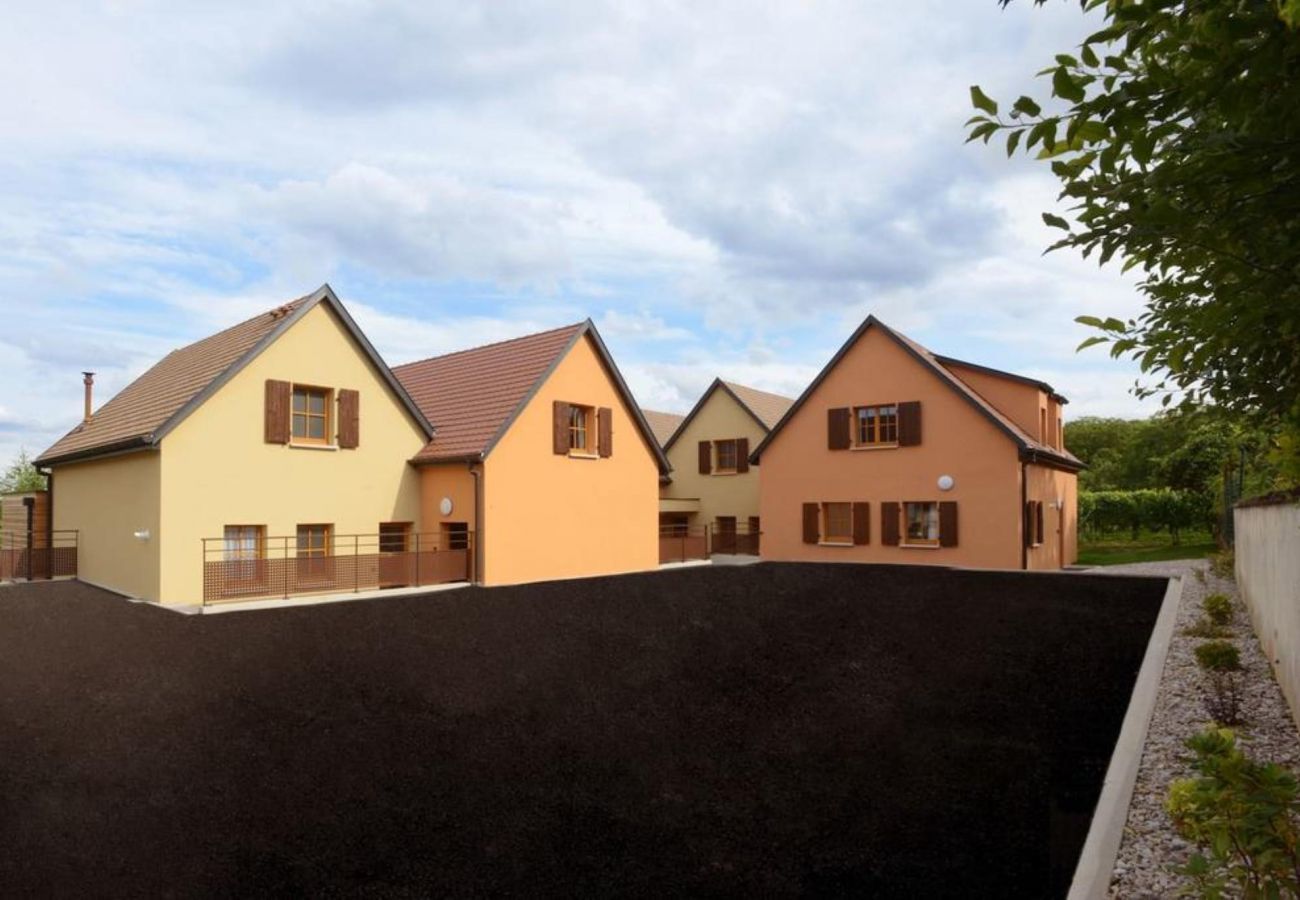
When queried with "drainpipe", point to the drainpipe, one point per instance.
{"points": [[1024, 500], [476, 469], [49, 521]]}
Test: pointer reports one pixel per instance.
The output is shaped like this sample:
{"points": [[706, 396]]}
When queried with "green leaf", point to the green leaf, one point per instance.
{"points": [[981, 101], [1091, 321], [1065, 87], [1012, 140], [1095, 339], [1055, 221], [1027, 106], [1089, 57]]}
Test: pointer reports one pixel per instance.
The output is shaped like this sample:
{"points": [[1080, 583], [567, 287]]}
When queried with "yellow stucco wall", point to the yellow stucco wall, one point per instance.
{"points": [[956, 440], [720, 418], [549, 516], [217, 470], [107, 501]]}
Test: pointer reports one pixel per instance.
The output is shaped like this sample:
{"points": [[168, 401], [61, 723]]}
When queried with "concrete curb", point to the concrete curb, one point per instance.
{"points": [[1097, 859]]}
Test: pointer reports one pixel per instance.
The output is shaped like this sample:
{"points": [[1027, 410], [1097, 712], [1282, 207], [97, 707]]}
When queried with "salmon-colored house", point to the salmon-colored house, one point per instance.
{"points": [[283, 457], [896, 455]]}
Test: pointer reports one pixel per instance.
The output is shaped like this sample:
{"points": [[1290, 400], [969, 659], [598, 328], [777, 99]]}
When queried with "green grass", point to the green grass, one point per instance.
{"points": [[1147, 548]]}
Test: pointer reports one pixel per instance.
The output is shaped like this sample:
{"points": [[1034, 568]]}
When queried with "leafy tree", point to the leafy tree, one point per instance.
{"points": [[1175, 133], [21, 476]]}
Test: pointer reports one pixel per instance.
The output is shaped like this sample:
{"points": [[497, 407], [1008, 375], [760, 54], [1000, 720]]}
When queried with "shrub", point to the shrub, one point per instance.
{"points": [[1223, 698], [1218, 607], [1218, 656], [1204, 628], [1244, 817], [1223, 563]]}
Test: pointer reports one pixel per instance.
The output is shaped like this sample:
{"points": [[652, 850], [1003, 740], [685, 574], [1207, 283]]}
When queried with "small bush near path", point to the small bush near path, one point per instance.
{"points": [[1218, 608], [1243, 816], [1219, 656]]}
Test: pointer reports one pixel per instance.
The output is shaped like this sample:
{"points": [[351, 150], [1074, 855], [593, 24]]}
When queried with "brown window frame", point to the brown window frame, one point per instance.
{"points": [[827, 535], [905, 538], [247, 568], [581, 421], [880, 426], [719, 468], [326, 417], [390, 530], [327, 541], [454, 536]]}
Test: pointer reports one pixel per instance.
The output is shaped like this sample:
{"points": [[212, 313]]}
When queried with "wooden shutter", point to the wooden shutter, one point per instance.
{"points": [[1029, 523], [560, 428], [811, 523], [909, 423], [948, 523], [742, 454], [349, 419], [706, 457], [837, 428], [278, 401], [889, 535], [861, 523], [605, 431], [1038, 521]]}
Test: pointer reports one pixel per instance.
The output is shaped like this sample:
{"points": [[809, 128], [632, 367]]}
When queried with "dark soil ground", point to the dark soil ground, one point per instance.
{"points": [[756, 731]]}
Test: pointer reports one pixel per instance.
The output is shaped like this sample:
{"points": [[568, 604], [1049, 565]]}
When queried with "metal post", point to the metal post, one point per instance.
{"points": [[417, 559], [284, 558], [356, 566]]}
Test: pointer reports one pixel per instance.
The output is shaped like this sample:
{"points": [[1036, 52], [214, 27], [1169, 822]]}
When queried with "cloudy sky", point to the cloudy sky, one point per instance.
{"points": [[725, 188]]}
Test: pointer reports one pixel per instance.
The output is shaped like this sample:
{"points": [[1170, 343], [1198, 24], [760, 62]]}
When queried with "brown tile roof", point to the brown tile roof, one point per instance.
{"points": [[470, 394], [136, 412], [1029, 447], [766, 406], [142, 412], [663, 424]]}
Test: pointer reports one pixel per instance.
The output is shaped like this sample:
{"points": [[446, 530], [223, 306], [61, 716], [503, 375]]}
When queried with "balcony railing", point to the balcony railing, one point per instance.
{"points": [[680, 543], [276, 568], [38, 555]]}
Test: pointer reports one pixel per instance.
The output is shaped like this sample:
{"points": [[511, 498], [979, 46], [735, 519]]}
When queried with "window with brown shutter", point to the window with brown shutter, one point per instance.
{"points": [[605, 431], [837, 523], [276, 412], [725, 452], [921, 524], [948, 523], [706, 457], [875, 426], [837, 428], [1038, 521], [909, 423], [560, 428], [861, 523], [742, 455], [1029, 523], [811, 523], [312, 415], [349, 419], [889, 533]]}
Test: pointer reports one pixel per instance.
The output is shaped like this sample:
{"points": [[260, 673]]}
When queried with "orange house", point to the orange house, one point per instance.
{"points": [[896, 455]]}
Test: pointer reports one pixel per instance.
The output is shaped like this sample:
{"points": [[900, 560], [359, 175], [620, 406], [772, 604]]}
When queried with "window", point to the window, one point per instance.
{"points": [[1042, 425], [726, 452], [1060, 434], [245, 545], [921, 523], [394, 537], [455, 535], [579, 429], [311, 415], [875, 425], [313, 541], [837, 523]]}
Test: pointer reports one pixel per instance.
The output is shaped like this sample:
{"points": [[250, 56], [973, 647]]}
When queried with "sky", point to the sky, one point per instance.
{"points": [[725, 188]]}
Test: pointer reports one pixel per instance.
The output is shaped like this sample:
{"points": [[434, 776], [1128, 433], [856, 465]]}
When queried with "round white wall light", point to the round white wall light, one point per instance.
{"points": [[945, 482], [141, 535], [445, 506]]}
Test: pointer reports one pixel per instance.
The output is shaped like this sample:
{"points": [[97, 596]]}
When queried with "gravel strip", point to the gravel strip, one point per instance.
{"points": [[1151, 849]]}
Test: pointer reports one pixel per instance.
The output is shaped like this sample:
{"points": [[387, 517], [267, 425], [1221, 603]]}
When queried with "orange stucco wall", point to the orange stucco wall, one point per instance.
{"points": [[549, 516], [1059, 494], [1021, 403], [957, 440], [452, 481]]}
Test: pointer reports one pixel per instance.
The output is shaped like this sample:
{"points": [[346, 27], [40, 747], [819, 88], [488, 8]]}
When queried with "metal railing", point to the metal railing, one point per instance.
{"points": [[679, 543], [741, 540], [233, 570], [38, 555]]}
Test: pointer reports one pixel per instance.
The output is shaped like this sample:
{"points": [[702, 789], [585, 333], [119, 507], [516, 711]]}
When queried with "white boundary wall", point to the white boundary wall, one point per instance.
{"points": [[1268, 577]]}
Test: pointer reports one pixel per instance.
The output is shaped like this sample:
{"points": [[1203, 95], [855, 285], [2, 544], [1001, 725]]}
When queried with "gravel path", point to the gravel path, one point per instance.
{"points": [[1151, 850]]}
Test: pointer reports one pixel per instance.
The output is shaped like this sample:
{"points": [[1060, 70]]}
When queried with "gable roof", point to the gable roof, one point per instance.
{"points": [[141, 414], [1043, 386], [1031, 450], [766, 409], [476, 395], [663, 424]]}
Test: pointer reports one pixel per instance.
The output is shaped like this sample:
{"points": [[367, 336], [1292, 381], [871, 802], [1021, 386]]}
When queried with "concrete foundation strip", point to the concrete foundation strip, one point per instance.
{"points": [[1097, 859]]}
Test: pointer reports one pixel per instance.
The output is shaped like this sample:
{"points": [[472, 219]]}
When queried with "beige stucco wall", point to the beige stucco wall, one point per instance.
{"points": [[720, 418], [217, 470], [1060, 545], [549, 516], [957, 440], [108, 501], [1268, 576]]}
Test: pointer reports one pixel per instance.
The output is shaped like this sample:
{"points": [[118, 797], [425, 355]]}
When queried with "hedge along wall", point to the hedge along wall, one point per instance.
{"points": [[1151, 509], [1268, 576]]}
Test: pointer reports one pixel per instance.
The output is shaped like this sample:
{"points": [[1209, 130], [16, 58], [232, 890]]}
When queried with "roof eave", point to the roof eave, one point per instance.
{"points": [[116, 448]]}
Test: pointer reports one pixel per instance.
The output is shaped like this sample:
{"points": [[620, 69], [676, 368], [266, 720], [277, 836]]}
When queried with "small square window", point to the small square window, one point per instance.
{"points": [[311, 414], [726, 453], [837, 523], [921, 523], [875, 425]]}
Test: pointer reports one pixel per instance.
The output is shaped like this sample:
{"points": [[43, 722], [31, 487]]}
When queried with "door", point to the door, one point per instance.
{"points": [[724, 539], [395, 559]]}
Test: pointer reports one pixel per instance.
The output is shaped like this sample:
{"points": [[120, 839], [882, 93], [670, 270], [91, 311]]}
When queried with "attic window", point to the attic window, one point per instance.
{"points": [[311, 415]]}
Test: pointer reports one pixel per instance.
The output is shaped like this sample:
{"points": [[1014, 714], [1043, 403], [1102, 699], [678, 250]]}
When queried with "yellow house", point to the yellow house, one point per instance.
{"points": [[713, 487], [282, 457]]}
